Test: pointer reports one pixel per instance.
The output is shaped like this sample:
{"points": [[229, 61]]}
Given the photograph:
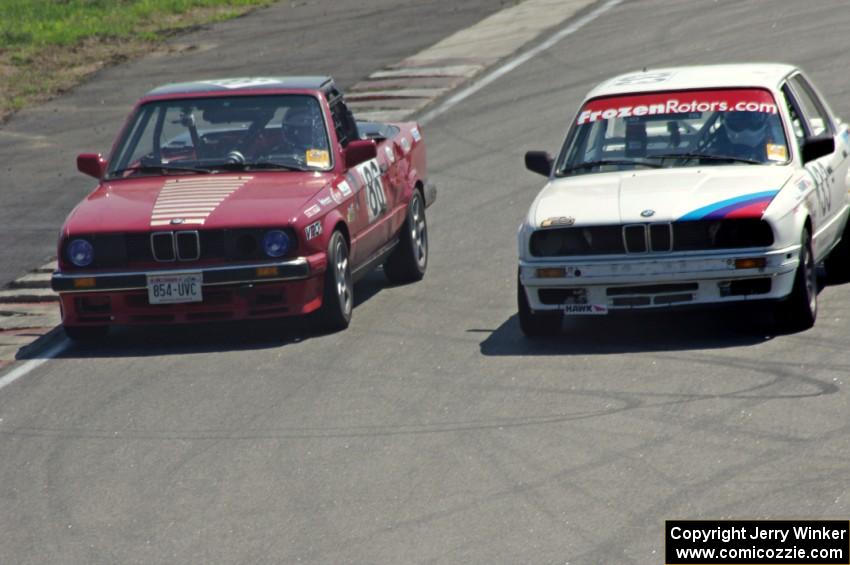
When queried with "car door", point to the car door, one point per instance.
{"points": [[370, 181], [829, 172]]}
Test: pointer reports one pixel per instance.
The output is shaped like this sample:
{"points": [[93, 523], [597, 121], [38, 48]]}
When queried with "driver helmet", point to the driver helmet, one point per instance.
{"points": [[746, 128], [298, 127]]}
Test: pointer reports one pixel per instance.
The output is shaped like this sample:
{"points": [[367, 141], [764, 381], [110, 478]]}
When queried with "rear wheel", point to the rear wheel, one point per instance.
{"points": [[799, 311], [536, 324], [338, 294], [409, 259], [85, 333]]}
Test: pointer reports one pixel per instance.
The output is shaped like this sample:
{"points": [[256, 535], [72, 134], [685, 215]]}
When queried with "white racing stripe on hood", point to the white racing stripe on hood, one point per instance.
{"points": [[193, 199]]}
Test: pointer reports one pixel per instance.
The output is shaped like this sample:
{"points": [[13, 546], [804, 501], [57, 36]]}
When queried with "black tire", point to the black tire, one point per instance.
{"points": [[409, 259], [838, 262], [536, 324], [85, 333], [800, 310], [338, 294]]}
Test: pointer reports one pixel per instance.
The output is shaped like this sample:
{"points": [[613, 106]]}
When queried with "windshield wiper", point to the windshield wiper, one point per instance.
{"points": [[160, 168], [591, 164], [706, 156], [258, 165]]}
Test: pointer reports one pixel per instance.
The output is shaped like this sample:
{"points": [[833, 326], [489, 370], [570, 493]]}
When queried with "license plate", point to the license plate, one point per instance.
{"points": [[174, 289]]}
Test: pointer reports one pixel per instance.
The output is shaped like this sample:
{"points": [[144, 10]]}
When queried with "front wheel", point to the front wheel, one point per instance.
{"points": [[338, 294], [409, 259], [799, 311], [536, 324]]}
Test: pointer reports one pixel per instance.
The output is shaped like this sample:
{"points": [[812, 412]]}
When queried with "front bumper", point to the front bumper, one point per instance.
{"points": [[234, 292], [653, 281], [134, 280]]}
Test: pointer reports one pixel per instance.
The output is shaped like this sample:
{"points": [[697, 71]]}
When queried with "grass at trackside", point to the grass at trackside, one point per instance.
{"points": [[47, 46]]}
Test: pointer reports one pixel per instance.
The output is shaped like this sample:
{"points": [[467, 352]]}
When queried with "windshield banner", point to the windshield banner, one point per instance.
{"points": [[681, 102]]}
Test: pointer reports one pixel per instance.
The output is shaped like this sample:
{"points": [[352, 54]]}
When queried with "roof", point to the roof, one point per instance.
{"points": [[243, 84], [756, 75]]}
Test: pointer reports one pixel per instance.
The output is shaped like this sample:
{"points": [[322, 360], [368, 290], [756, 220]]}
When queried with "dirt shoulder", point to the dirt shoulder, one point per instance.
{"points": [[46, 48]]}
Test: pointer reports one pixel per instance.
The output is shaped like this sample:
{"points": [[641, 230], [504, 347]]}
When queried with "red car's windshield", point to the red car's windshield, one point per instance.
{"points": [[203, 134], [674, 129]]}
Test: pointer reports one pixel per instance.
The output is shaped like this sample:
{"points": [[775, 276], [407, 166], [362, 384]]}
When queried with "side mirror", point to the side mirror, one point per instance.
{"points": [[91, 164], [360, 151], [815, 147], [539, 162]]}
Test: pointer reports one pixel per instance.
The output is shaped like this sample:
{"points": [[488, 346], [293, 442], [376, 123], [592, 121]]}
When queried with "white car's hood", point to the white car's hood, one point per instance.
{"points": [[660, 195]]}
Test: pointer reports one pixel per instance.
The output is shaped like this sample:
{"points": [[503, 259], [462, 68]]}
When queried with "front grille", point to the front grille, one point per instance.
{"points": [[142, 248], [661, 238], [722, 234], [188, 245], [162, 245], [699, 235], [635, 238]]}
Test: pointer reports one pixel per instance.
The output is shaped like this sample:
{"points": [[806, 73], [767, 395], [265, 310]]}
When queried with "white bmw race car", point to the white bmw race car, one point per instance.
{"points": [[688, 186]]}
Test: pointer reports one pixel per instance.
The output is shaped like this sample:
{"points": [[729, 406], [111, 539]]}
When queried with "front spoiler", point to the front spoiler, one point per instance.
{"points": [[135, 280]]}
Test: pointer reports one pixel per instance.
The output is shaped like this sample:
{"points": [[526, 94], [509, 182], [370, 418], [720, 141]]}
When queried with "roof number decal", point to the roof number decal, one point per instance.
{"points": [[240, 82]]}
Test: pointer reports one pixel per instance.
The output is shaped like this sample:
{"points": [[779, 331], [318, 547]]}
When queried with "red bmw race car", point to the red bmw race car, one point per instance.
{"points": [[242, 199]]}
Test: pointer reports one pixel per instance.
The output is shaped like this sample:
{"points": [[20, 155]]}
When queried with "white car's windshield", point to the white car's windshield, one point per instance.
{"points": [[675, 129], [199, 135]]}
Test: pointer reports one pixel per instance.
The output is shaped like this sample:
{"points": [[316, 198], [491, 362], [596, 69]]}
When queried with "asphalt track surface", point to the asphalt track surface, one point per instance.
{"points": [[431, 431]]}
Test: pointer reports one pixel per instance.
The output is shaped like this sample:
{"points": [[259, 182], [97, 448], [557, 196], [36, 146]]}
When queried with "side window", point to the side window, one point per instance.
{"points": [[344, 124], [813, 111], [796, 120]]}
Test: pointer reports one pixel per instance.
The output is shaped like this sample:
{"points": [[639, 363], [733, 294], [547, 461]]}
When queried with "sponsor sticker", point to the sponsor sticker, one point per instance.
{"points": [[776, 152], [336, 194], [312, 210], [558, 221], [390, 155], [585, 309], [313, 231], [241, 82], [643, 78], [416, 135], [671, 103], [344, 188], [317, 158], [405, 144], [352, 213], [325, 201]]}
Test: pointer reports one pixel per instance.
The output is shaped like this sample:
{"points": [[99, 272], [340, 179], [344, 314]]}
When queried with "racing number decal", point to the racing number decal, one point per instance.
{"points": [[824, 196], [376, 200]]}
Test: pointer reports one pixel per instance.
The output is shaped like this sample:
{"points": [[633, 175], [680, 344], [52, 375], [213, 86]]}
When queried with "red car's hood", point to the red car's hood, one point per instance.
{"points": [[202, 201]]}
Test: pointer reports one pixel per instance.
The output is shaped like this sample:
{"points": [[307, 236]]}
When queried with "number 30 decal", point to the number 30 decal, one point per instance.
{"points": [[376, 200]]}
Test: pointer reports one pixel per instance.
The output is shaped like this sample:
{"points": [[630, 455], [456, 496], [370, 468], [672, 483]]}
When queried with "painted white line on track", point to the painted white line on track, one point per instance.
{"points": [[33, 364], [512, 64]]}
